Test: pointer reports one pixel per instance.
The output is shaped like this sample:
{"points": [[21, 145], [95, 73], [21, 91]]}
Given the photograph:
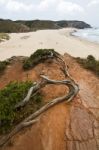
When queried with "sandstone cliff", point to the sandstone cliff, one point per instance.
{"points": [[72, 126]]}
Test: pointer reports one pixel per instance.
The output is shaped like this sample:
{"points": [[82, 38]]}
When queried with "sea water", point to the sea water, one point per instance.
{"points": [[91, 34]]}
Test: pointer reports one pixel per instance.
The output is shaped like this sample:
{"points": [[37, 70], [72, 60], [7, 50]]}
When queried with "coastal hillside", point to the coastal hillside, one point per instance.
{"points": [[10, 26], [47, 24], [72, 124]]}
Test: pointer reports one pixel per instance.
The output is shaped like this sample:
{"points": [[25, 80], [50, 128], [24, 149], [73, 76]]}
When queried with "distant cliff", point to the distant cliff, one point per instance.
{"points": [[74, 24], [32, 25]]}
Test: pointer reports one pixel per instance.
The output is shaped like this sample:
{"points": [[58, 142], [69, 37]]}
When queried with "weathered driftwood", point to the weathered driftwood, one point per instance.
{"points": [[37, 86], [32, 90], [22, 125], [73, 90]]}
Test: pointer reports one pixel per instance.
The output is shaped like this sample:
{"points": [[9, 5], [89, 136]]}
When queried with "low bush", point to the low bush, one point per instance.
{"points": [[3, 65], [9, 97], [90, 63], [4, 36], [37, 57]]}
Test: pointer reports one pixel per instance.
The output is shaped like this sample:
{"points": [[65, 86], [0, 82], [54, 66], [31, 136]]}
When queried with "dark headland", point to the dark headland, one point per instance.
{"points": [[10, 26]]}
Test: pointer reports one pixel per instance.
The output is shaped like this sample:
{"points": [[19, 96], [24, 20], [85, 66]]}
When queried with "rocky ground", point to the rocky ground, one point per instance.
{"points": [[72, 126]]}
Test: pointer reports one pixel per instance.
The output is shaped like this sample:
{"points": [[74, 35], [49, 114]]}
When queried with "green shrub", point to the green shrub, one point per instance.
{"points": [[37, 57], [90, 63], [9, 97], [28, 64], [4, 36], [3, 65]]}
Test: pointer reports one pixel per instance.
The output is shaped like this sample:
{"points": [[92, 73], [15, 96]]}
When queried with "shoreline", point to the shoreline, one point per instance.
{"points": [[61, 40], [82, 38]]}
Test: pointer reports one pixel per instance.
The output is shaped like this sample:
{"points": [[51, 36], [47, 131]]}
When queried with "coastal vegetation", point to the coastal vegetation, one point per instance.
{"points": [[90, 63], [4, 36], [37, 57], [21, 103], [3, 65], [9, 26], [13, 93]]}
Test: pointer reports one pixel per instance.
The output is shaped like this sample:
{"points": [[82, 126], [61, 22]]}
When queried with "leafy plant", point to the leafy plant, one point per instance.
{"points": [[90, 63], [3, 65], [9, 97], [4, 36], [37, 57]]}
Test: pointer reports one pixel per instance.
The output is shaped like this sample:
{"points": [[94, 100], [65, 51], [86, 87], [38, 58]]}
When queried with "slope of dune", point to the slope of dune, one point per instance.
{"points": [[72, 126]]}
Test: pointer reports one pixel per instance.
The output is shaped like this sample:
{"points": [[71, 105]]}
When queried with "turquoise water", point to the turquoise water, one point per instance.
{"points": [[89, 34]]}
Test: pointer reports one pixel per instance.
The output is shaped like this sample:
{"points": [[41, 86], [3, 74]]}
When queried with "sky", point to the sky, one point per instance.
{"points": [[84, 10]]}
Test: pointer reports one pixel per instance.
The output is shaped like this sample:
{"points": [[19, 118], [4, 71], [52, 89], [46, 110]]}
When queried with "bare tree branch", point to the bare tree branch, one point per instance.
{"points": [[32, 90], [73, 90]]}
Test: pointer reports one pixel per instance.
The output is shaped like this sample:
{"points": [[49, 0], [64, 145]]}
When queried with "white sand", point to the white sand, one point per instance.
{"points": [[24, 44]]}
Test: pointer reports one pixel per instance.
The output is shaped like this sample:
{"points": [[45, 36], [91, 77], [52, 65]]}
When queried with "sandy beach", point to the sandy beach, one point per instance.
{"points": [[24, 44]]}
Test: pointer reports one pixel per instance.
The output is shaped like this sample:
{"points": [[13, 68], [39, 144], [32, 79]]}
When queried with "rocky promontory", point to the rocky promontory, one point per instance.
{"points": [[10, 26]]}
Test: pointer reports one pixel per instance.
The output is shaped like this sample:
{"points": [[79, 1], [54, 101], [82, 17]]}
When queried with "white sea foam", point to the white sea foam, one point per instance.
{"points": [[89, 34]]}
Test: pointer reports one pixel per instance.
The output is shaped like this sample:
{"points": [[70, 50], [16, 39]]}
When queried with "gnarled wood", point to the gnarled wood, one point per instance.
{"points": [[32, 90], [73, 90]]}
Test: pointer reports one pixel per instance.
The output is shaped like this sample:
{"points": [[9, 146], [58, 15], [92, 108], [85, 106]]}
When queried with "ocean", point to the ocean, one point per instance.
{"points": [[89, 34]]}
